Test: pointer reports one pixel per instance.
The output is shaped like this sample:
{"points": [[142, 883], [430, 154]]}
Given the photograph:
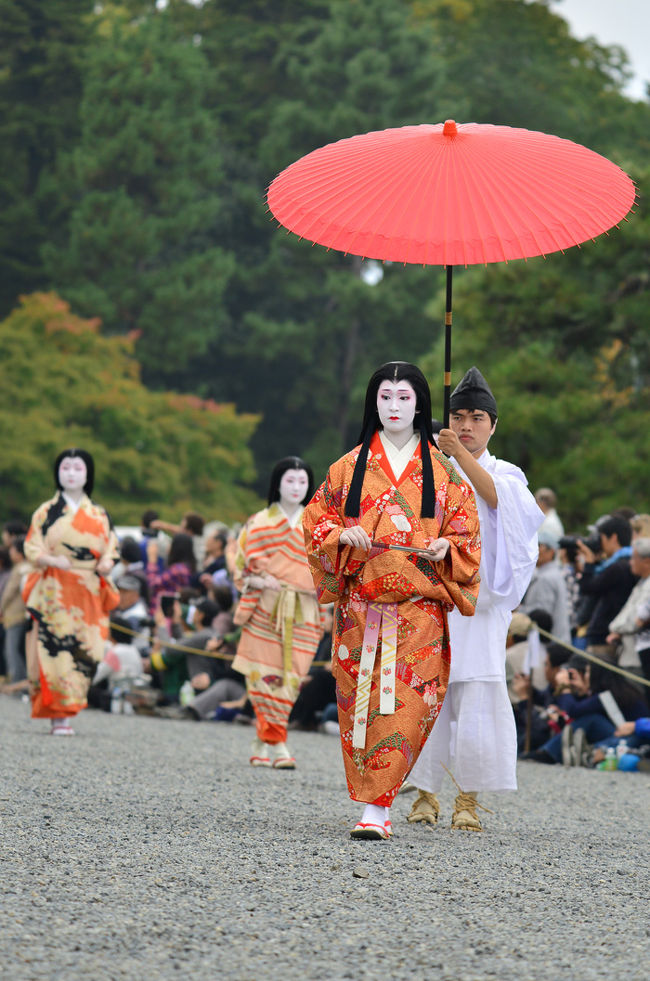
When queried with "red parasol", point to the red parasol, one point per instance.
{"points": [[451, 195]]}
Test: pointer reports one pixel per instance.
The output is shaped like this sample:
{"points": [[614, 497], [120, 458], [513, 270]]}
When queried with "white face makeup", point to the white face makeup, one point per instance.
{"points": [[396, 403], [72, 473], [293, 487]]}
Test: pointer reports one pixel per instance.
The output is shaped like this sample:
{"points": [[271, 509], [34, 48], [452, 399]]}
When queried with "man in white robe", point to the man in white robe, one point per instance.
{"points": [[475, 735]]}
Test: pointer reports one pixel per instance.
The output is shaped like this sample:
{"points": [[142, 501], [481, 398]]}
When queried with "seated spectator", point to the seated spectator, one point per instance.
{"points": [[635, 734], [5, 572], [12, 530], [544, 724], [640, 525], [628, 626], [13, 612], [319, 688], [172, 661], [227, 692], [223, 624], [517, 647], [214, 571], [131, 608], [214, 559], [547, 589], [5, 567], [547, 502], [148, 534], [181, 566], [643, 641], [131, 564], [121, 665], [568, 555], [598, 696], [609, 582]]}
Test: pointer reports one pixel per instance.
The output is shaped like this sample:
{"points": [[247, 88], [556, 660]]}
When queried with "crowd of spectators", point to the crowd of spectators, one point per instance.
{"points": [[173, 638], [591, 593]]}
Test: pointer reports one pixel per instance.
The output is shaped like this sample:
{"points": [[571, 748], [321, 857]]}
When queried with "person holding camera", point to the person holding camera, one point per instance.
{"points": [[608, 582]]}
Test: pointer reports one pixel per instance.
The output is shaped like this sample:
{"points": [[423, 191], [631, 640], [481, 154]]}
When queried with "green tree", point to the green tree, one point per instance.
{"points": [[516, 63], [143, 248], [42, 46], [563, 342], [64, 384], [303, 329]]}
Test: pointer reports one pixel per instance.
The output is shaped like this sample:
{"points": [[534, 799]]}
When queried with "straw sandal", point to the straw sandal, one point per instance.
{"points": [[425, 809], [465, 817]]}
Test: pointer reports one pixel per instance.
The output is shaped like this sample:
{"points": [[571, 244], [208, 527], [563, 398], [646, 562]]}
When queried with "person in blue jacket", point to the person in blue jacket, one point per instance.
{"points": [[587, 706]]}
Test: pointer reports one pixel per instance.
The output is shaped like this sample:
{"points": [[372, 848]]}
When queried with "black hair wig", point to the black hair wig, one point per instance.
{"points": [[395, 371], [90, 468], [278, 472]]}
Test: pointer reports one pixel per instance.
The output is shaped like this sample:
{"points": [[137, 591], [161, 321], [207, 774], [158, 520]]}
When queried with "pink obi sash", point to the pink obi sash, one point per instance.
{"points": [[380, 616]]}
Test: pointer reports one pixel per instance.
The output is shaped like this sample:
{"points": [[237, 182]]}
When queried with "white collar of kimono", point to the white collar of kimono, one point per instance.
{"points": [[399, 459], [294, 519], [72, 504]]}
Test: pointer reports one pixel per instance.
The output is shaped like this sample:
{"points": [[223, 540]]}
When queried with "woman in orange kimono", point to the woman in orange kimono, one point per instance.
{"points": [[278, 610], [393, 539], [72, 547]]}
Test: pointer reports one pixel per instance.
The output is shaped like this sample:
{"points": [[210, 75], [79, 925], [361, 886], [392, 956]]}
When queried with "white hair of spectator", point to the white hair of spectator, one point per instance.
{"points": [[642, 547]]}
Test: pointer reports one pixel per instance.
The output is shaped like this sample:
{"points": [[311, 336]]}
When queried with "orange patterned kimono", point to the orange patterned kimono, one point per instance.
{"points": [[69, 606], [393, 605], [281, 630]]}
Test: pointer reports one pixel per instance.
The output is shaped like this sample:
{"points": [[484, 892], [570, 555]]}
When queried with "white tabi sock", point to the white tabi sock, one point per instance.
{"points": [[373, 814]]}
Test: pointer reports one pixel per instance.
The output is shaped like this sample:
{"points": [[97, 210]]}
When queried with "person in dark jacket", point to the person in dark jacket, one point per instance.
{"points": [[588, 706], [609, 581]]}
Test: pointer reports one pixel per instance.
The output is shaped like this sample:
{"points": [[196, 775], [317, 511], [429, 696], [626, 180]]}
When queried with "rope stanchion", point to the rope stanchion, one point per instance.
{"points": [[638, 679], [185, 649]]}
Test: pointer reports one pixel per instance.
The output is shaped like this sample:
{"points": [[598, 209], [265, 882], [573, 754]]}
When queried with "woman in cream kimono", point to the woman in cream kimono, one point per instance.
{"points": [[71, 546]]}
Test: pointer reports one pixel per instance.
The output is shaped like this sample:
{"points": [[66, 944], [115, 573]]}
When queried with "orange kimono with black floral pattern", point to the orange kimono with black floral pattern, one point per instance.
{"points": [[391, 654], [69, 606]]}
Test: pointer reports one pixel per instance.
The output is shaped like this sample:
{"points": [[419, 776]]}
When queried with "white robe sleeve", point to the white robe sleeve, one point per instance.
{"points": [[509, 535]]}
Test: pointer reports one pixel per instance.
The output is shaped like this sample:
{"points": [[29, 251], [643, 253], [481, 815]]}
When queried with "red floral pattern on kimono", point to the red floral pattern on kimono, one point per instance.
{"points": [[422, 593]]}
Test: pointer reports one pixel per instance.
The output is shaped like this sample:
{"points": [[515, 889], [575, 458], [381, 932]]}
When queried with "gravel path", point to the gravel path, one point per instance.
{"points": [[146, 848]]}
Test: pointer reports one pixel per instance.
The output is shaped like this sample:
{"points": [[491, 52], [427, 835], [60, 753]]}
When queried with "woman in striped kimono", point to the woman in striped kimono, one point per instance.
{"points": [[278, 610], [393, 539]]}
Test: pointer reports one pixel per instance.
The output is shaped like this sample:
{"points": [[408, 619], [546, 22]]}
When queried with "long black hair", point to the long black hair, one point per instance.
{"points": [[395, 371], [278, 472], [90, 468], [182, 550]]}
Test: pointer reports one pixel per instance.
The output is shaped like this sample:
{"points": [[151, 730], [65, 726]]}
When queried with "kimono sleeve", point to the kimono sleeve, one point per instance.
{"points": [[239, 565], [112, 549], [249, 597], [323, 522], [459, 570], [34, 540]]}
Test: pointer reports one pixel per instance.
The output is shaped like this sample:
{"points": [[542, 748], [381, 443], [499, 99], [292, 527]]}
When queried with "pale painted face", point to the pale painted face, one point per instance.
{"points": [[294, 485], [396, 404], [72, 473]]}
